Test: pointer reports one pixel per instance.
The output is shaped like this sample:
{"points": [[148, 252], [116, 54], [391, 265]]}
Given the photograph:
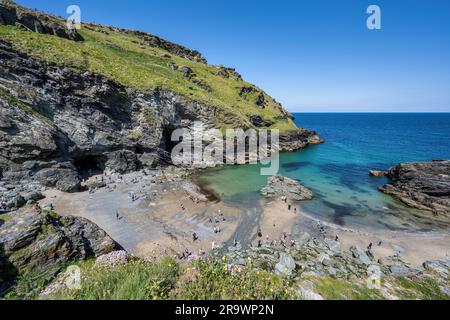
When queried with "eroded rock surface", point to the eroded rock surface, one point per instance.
{"points": [[12, 14], [279, 186], [424, 186], [40, 243]]}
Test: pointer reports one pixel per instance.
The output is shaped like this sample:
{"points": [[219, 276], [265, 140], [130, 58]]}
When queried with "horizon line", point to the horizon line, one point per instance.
{"points": [[374, 112]]}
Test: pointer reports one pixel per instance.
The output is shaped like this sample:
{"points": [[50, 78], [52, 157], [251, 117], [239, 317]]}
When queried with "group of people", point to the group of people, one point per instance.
{"points": [[217, 220], [187, 254], [288, 204], [282, 241]]}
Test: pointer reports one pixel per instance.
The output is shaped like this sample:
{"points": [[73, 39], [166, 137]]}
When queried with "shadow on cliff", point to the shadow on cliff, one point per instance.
{"points": [[8, 273]]}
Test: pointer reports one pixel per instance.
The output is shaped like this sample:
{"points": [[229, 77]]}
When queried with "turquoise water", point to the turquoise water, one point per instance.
{"points": [[337, 171]]}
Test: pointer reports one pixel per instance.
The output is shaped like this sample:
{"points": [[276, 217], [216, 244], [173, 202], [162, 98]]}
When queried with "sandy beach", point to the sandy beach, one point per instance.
{"points": [[152, 216]]}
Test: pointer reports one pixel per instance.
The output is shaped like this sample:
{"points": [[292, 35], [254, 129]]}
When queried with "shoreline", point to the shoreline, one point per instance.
{"points": [[166, 214]]}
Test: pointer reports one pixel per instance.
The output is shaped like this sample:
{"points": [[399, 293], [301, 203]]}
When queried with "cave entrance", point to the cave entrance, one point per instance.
{"points": [[167, 136], [89, 166]]}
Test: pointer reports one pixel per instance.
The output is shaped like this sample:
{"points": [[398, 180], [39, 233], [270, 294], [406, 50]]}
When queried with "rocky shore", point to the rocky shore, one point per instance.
{"points": [[85, 171], [320, 257], [425, 186]]}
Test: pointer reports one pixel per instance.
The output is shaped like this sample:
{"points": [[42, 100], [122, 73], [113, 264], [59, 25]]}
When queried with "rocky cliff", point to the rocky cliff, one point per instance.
{"points": [[36, 243], [102, 98], [424, 186]]}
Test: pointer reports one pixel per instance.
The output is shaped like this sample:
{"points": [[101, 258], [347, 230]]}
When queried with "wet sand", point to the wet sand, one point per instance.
{"points": [[164, 215], [412, 247]]}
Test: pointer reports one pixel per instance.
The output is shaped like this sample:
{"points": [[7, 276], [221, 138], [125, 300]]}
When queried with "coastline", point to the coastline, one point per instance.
{"points": [[165, 215]]}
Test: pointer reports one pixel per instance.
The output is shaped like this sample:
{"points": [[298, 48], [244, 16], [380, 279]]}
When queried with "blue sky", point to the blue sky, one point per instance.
{"points": [[313, 56]]}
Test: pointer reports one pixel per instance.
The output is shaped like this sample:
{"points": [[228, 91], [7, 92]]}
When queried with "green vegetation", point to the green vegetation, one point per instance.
{"points": [[426, 289], [11, 99], [124, 57], [215, 280], [211, 279], [27, 286], [137, 280], [135, 134], [166, 279], [5, 218], [149, 116], [335, 289]]}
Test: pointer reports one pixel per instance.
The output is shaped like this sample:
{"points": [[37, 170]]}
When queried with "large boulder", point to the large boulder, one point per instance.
{"points": [[40, 243], [279, 186]]}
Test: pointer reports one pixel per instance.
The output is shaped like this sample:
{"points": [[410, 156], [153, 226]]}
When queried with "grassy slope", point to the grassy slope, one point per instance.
{"points": [[216, 280], [123, 57]]}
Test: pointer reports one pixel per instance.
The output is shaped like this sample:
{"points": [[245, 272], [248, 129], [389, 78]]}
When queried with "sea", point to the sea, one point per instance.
{"points": [[337, 171]]}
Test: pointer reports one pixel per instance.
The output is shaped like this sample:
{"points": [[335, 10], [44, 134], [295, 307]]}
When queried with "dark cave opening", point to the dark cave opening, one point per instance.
{"points": [[167, 138], [90, 165], [139, 150]]}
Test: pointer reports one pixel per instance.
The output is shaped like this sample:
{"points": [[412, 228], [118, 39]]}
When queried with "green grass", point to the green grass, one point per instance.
{"points": [[336, 289], [137, 280], [5, 217], [213, 280], [166, 279], [427, 289], [123, 57]]}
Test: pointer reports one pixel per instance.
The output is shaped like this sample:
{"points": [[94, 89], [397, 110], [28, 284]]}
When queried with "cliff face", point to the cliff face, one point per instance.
{"points": [[61, 118], [39, 243]]}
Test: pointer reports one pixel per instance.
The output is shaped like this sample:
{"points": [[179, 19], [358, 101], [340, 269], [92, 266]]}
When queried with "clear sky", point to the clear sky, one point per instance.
{"points": [[315, 55]]}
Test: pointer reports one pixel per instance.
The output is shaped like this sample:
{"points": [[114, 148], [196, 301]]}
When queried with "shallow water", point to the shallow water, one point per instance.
{"points": [[337, 171]]}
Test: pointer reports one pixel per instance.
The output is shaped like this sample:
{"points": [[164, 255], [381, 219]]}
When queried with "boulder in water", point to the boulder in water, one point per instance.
{"points": [[279, 186]]}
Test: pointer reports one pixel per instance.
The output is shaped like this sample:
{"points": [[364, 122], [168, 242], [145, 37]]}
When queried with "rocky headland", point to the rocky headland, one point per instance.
{"points": [[85, 141], [425, 186], [61, 121]]}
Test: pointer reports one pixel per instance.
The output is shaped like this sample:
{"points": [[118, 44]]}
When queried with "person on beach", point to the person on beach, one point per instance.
{"points": [[289, 207], [369, 247], [260, 233], [194, 236]]}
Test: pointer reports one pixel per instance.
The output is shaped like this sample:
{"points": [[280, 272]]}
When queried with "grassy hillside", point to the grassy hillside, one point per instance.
{"points": [[126, 57], [213, 279]]}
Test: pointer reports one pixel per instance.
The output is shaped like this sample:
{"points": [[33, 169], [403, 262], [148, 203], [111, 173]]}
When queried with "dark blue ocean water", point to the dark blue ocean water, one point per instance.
{"points": [[337, 171]]}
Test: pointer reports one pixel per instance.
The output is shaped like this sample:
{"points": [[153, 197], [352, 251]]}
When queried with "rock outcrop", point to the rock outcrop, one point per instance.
{"points": [[61, 125], [40, 243], [12, 14], [322, 257], [57, 125], [377, 173], [424, 186], [279, 187]]}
